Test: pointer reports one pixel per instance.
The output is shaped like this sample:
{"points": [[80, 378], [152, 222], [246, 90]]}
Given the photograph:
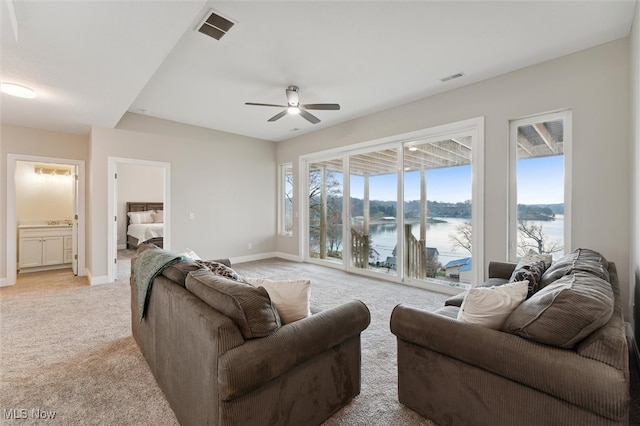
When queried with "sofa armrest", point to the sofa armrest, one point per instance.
{"points": [[558, 372], [254, 363], [501, 269]]}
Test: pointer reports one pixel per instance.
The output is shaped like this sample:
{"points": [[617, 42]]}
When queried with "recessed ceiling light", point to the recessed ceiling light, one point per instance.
{"points": [[18, 90], [413, 148]]}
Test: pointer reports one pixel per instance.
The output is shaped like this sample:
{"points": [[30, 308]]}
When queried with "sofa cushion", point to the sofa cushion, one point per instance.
{"points": [[564, 312], [490, 306], [458, 298], [179, 271], [248, 306], [584, 260], [290, 297]]}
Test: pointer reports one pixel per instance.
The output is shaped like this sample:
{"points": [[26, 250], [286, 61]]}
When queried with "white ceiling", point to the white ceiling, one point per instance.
{"points": [[92, 61]]}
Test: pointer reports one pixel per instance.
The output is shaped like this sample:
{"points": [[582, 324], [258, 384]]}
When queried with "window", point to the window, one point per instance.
{"points": [[285, 206], [539, 185]]}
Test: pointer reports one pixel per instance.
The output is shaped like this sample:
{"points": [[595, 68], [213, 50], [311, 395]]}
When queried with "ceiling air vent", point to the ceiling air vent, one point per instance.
{"points": [[451, 77], [215, 25]]}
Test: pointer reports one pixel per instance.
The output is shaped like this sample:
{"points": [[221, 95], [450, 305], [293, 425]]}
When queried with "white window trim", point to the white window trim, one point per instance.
{"points": [[473, 127], [512, 232], [281, 200]]}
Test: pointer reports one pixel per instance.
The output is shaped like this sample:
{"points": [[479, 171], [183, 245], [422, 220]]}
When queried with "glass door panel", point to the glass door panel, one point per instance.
{"points": [[437, 232], [325, 210], [373, 210]]}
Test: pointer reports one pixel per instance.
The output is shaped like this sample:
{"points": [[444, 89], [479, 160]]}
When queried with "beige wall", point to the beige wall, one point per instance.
{"points": [[594, 83], [227, 181], [634, 270], [32, 142]]}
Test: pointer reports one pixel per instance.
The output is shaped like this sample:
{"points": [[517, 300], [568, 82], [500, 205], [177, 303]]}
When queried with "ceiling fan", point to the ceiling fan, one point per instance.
{"points": [[293, 107]]}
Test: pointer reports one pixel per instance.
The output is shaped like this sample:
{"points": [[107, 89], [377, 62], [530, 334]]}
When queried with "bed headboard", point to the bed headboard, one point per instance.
{"points": [[142, 207]]}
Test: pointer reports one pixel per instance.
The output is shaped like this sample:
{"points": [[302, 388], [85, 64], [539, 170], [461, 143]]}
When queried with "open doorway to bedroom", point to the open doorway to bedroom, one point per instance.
{"points": [[139, 199]]}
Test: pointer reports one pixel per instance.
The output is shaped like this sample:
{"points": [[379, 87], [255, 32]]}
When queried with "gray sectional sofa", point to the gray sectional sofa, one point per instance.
{"points": [[560, 358], [236, 364]]}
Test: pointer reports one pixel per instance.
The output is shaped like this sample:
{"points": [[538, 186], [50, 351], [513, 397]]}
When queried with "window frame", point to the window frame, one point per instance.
{"points": [[512, 231], [283, 218]]}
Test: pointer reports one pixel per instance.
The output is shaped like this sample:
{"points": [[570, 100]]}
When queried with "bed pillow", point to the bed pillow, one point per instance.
{"points": [[565, 312], [491, 306], [290, 297], [249, 307], [136, 218], [158, 216]]}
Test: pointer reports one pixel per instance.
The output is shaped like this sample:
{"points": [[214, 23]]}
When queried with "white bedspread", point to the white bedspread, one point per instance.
{"points": [[145, 231]]}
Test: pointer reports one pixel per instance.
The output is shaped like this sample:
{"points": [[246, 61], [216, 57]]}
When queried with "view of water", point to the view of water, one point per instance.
{"points": [[384, 236]]}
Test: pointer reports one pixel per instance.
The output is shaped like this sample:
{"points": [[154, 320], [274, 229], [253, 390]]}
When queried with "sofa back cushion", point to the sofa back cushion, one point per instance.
{"points": [[564, 312], [179, 271], [249, 307], [584, 260]]}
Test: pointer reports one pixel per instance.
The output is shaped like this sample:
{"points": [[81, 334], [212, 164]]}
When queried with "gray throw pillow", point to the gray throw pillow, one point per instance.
{"points": [[179, 271], [565, 312], [248, 306], [220, 269], [531, 272]]}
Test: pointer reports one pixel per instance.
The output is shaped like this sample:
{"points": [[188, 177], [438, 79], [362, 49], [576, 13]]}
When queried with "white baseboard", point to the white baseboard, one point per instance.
{"points": [[633, 343], [262, 256], [98, 280], [4, 282]]}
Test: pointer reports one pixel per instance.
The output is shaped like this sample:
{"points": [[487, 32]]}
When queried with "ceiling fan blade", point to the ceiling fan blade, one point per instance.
{"points": [[333, 107], [269, 105], [292, 96], [278, 116], [309, 117]]}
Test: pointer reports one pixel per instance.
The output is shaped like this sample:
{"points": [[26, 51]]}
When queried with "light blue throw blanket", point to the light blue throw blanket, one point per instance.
{"points": [[149, 264]]}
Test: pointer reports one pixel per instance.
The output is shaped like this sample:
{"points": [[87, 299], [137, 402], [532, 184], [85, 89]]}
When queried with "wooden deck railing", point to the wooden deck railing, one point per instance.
{"points": [[359, 249], [415, 265]]}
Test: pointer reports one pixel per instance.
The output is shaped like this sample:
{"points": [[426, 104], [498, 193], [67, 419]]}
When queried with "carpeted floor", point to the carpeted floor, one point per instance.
{"points": [[66, 348]]}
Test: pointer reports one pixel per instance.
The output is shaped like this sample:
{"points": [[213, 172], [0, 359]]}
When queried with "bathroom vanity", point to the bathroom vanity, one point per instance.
{"points": [[42, 247]]}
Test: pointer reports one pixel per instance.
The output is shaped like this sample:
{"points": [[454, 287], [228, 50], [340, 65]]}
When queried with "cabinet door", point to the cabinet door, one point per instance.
{"points": [[68, 249], [52, 250], [30, 252]]}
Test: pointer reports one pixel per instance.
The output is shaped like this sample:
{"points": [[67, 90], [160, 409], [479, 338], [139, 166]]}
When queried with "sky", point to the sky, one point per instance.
{"points": [[540, 181]]}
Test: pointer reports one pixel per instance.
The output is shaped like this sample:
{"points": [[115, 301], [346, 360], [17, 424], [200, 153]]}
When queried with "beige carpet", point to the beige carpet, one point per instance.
{"points": [[67, 348]]}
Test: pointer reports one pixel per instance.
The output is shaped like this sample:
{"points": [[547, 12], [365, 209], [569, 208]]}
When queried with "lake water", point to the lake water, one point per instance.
{"points": [[384, 236]]}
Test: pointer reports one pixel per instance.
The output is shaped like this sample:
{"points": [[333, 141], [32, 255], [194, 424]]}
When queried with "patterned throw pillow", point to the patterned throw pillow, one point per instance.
{"points": [[220, 269], [531, 272]]}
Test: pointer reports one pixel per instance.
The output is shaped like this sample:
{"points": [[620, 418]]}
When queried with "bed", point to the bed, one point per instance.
{"points": [[145, 223]]}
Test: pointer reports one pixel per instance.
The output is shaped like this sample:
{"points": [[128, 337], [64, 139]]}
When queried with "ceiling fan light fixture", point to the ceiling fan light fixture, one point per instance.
{"points": [[293, 110], [18, 90]]}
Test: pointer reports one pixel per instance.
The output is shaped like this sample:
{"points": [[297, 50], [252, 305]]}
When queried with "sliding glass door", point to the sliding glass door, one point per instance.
{"points": [[407, 208]]}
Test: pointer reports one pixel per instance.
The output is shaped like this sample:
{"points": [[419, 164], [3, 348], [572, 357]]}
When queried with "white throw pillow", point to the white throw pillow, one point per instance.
{"points": [[490, 306], [290, 297], [191, 254]]}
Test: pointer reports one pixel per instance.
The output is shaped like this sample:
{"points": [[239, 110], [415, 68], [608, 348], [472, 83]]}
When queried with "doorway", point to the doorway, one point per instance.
{"points": [[47, 178], [133, 180]]}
